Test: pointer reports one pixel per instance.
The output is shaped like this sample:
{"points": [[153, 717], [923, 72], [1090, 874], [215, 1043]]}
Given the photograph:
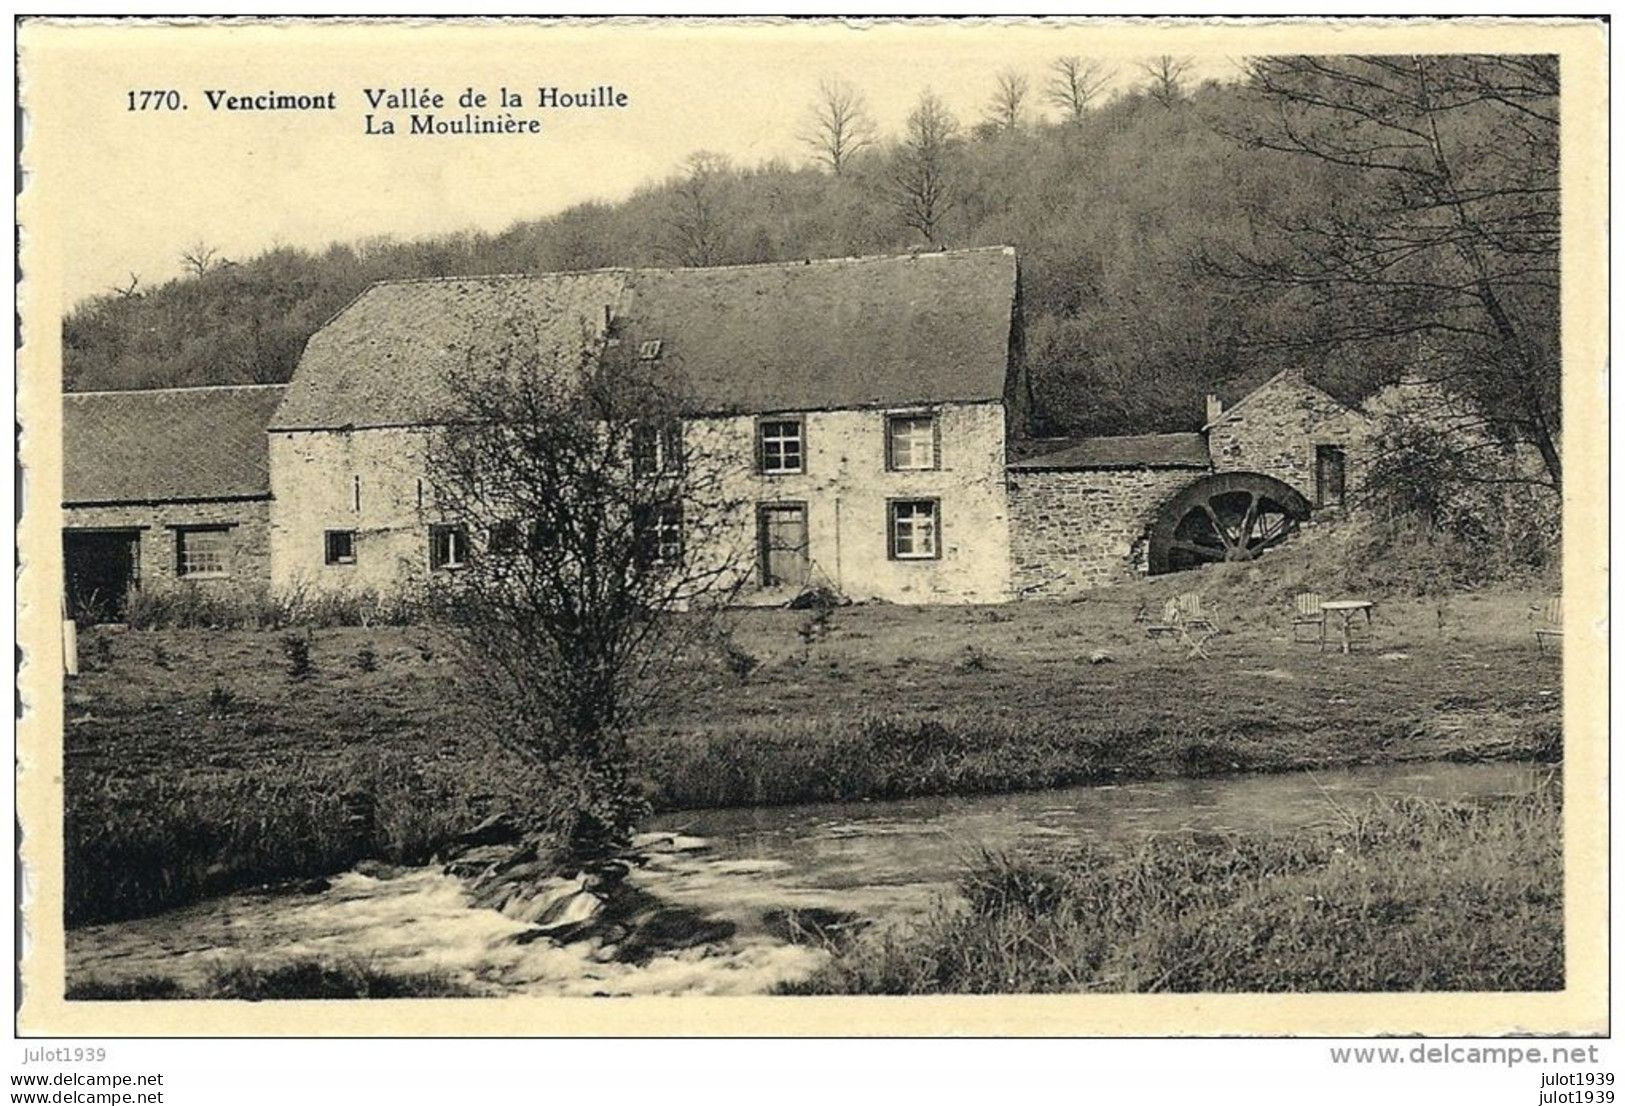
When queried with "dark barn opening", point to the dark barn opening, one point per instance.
{"points": [[101, 569]]}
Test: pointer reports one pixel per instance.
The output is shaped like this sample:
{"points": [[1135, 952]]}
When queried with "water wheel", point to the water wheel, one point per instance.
{"points": [[1230, 516]]}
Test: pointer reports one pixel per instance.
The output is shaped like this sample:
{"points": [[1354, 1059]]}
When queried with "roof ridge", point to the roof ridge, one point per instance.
{"points": [[173, 388], [1296, 370], [629, 270]]}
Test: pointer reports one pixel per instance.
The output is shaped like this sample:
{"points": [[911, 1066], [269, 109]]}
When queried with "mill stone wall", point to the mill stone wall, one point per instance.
{"points": [[1074, 530], [375, 483], [371, 482], [248, 565]]}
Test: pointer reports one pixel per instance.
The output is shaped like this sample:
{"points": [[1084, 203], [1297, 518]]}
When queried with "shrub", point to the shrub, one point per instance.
{"points": [[222, 701], [296, 647], [366, 658], [188, 606], [739, 660], [976, 659]]}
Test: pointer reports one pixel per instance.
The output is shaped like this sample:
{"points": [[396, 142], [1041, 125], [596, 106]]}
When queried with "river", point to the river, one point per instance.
{"points": [[880, 861]]}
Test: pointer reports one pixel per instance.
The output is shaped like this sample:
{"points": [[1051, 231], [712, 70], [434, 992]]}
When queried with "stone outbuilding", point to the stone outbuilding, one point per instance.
{"points": [[1095, 511], [1300, 434], [1081, 510], [164, 486]]}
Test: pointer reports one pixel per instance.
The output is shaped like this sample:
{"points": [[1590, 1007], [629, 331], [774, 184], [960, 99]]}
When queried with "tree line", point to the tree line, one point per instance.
{"points": [[1361, 217]]}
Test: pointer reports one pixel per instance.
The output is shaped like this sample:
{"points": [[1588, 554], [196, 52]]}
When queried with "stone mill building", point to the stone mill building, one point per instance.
{"points": [[876, 410]]}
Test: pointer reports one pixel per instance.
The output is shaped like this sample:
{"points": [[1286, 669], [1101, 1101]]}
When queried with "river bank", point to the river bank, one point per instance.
{"points": [[819, 898]]}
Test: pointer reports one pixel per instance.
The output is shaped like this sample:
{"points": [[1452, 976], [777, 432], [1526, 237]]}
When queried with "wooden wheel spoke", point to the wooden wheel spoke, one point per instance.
{"points": [[1196, 549], [1249, 519]]}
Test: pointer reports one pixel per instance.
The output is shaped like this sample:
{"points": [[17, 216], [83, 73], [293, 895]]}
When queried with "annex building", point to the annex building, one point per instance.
{"points": [[877, 407]]}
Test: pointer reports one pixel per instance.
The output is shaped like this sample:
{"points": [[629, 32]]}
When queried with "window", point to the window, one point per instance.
{"points": [[912, 533], [657, 447], [911, 442], [659, 532], [448, 547], [779, 446], [649, 350], [510, 536], [1329, 475], [340, 546], [504, 537], [201, 551]]}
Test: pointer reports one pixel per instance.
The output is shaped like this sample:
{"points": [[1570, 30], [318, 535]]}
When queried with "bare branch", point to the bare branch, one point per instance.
{"points": [[838, 124], [923, 171], [1006, 108], [1165, 79], [1074, 84]]}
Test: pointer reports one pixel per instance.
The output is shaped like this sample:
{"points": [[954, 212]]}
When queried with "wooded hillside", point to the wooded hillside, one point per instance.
{"points": [[1161, 235]]}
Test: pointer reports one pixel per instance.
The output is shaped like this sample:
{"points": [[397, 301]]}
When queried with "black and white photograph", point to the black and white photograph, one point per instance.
{"points": [[542, 510]]}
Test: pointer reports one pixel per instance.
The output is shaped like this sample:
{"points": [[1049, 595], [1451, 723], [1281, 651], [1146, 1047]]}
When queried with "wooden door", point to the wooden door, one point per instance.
{"points": [[782, 539]]}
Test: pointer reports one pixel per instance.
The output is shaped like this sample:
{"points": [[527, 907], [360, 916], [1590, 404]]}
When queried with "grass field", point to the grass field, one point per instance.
{"points": [[201, 760], [1405, 896]]}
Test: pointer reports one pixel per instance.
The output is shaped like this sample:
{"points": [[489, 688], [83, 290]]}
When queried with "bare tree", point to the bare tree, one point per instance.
{"points": [[1074, 84], [130, 289], [1005, 109], [1165, 79], [922, 172], [1443, 233], [838, 124], [199, 258], [696, 230], [585, 543]]}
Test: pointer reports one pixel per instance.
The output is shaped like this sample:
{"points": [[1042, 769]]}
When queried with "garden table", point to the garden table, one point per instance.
{"points": [[1346, 610]]}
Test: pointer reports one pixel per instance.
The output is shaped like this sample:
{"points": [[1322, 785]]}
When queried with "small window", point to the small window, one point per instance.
{"points": [[649, 350], [1330, 468], [913, 530], [659, 533], [657, 446], [504, 537], [340, 545], [779, 446], [448, 547], [200, 551], [911, 442]]}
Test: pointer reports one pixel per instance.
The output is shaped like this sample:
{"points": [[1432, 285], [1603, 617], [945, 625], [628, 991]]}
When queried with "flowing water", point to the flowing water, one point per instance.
{"points": [[879, 860]]}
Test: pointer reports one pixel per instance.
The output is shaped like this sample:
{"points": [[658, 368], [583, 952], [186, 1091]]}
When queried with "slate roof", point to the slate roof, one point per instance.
{"points": [[820, 335], [787, 336], [167, 444], [385, 360], [1184, 450]]}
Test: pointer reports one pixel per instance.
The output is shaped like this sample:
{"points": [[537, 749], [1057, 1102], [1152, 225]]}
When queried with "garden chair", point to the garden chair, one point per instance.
{"points": [[1548, 618], [1307, 612], [1183, 618], [1167, 625], [1191, 616]]}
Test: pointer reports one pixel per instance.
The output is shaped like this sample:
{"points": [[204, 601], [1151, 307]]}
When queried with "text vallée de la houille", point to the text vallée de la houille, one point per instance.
{"points": [[415, 111]]}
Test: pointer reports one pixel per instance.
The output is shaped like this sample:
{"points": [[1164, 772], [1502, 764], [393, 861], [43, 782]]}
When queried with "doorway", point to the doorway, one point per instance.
{"points": [[1330, 467], [101, 567], [782, 544]]}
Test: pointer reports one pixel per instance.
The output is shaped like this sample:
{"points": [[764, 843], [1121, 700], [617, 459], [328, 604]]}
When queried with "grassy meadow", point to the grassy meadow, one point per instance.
{"points": [[203, 760]]}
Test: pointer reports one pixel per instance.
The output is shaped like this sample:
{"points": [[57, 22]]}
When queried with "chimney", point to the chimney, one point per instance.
{"points": [[1215, 408]]}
